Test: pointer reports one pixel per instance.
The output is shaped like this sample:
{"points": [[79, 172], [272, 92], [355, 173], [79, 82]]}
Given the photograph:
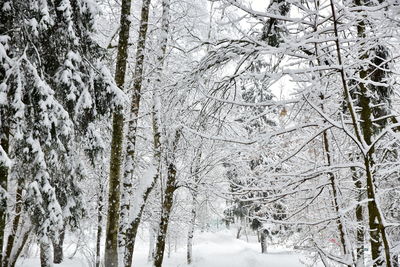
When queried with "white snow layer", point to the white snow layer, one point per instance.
{"points": [[219, 249]]}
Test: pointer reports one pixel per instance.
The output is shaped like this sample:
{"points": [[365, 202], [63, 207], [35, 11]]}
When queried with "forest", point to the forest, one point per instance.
{"points": [[204, 133]]}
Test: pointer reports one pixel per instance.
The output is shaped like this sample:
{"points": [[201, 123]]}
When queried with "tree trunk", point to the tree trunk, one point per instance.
{"points": [[111, 244], [360, 220], [376, 227], [19, 247], [15, 223], [263, 241], [45, 254], [364, 134], [58, 250], [165, 214], [151, 244], [4, 143], [132, 125], [239, 231], [131, 231], [99, 224], [192, 224], [335, 199]]}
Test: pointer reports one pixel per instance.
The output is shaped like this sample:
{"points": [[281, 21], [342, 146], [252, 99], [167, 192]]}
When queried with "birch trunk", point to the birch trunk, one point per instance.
{"points": [[142, 196], [133, 122], [192, 224]]}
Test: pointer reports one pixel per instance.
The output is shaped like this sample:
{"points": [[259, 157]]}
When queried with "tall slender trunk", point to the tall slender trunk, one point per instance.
{"points": [[4, 143], [132, 125], [364, 134], [15, 223], [100, 206], [58, 248], [192, 224], [165, 215], [335, 199], [376, 227], [345, 244], [111, 244], [131, 231], [167, 203]]}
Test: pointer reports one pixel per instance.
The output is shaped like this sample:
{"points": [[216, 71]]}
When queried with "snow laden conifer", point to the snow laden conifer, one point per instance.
{"points": [[52, 84]]}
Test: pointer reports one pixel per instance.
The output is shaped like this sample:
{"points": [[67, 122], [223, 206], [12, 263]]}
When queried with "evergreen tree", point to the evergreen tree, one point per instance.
{"points": [[52, 85]]}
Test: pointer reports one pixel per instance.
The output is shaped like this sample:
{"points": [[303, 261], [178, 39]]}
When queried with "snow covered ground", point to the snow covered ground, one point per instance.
{"points": [[219, 249]]}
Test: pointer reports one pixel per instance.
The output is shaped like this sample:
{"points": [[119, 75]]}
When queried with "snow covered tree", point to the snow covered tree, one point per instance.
{"points": [[53, 84]]}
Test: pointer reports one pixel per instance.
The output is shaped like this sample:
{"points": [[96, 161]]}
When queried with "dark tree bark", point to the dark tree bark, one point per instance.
{"points": [[378, 237], [167, 204], [111, 245], [364, 133], [360, 220], [100, 206], [263, 241], [45, 254], [58, 248], [165, 215]]}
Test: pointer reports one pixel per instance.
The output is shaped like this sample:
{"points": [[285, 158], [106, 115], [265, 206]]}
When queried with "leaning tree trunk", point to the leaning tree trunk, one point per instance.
{"points": [[111, 244], [165, 215], [19, 246]]}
